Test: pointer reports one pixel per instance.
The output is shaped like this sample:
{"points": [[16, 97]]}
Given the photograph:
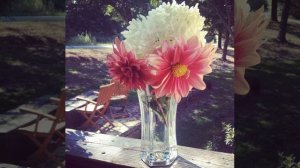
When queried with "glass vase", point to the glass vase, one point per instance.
{"points": [[158, 129]]}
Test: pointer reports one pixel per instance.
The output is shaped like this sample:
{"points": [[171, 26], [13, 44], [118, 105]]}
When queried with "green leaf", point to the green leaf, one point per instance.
{"points": [[154, 3]]}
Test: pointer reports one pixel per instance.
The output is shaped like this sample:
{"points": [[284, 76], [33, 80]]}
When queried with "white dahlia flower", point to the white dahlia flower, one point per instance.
{"points": [[168, 22]]}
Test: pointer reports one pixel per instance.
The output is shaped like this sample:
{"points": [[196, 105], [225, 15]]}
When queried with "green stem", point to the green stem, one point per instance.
{"points": [[161, 111]]}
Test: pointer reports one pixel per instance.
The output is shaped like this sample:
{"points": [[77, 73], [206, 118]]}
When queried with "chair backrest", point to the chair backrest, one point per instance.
{"points": [[60, 112], [105, 93], [120, 89]]}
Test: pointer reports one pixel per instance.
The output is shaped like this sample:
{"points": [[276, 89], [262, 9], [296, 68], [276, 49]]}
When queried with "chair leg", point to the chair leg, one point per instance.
{"points": [[94, 124], [124, 113], [108, 120], [111, 113], [52, 157], [42, 149], [62, 135], [39, 152], [60, 138], [89, 121], [125, 105]]}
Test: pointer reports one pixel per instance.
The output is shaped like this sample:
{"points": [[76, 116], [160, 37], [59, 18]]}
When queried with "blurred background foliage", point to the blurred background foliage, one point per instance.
{"points": [[105, 19], [99, 21], [31, 7]]}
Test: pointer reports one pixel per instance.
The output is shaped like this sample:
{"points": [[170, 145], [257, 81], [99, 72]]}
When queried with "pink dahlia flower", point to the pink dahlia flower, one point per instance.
{"points": [[249, 30], [180, 67], [124, 67]]}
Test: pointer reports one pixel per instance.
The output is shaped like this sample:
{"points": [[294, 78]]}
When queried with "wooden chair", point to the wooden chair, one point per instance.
{"points": [[120, 94], [92, 111], [46, 128]]}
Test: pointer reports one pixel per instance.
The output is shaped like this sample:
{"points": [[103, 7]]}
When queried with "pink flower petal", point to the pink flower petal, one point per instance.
{"points": [[125, 68], [191, 61]]}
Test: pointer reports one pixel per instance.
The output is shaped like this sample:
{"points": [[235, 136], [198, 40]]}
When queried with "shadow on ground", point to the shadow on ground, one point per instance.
{"points": [[30, 67], [202, 113], [84, 74], [267, 119]]}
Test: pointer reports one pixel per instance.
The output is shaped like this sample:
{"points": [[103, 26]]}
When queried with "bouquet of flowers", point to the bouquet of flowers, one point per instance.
{"points": [[163, 56], [165, 50]]}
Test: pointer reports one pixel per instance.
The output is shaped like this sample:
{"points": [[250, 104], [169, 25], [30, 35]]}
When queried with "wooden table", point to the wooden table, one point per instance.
{"points": [[4, 165], [14, 119], [86, 149]]}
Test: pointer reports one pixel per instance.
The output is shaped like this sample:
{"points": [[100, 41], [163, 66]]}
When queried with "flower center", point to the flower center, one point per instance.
{"points": [[179, 70]]}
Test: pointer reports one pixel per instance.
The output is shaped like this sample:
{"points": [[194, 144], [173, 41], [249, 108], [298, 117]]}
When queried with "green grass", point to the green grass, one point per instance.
{"points": [[82, 39], [104, 44]]}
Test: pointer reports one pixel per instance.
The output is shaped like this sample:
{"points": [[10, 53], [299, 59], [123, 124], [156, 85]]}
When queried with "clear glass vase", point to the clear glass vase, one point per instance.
{"points": [[158, 121]]}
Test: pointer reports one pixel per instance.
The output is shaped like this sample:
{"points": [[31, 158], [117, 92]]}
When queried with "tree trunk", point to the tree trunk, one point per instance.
{"points": [[220, 38], [215, 39], [46, 5], [226, 42], [274, 10], [283, 22], [225, 46]]}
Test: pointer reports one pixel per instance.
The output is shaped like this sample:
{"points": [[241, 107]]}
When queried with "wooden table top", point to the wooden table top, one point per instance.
{"points": [[100, 150]]}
